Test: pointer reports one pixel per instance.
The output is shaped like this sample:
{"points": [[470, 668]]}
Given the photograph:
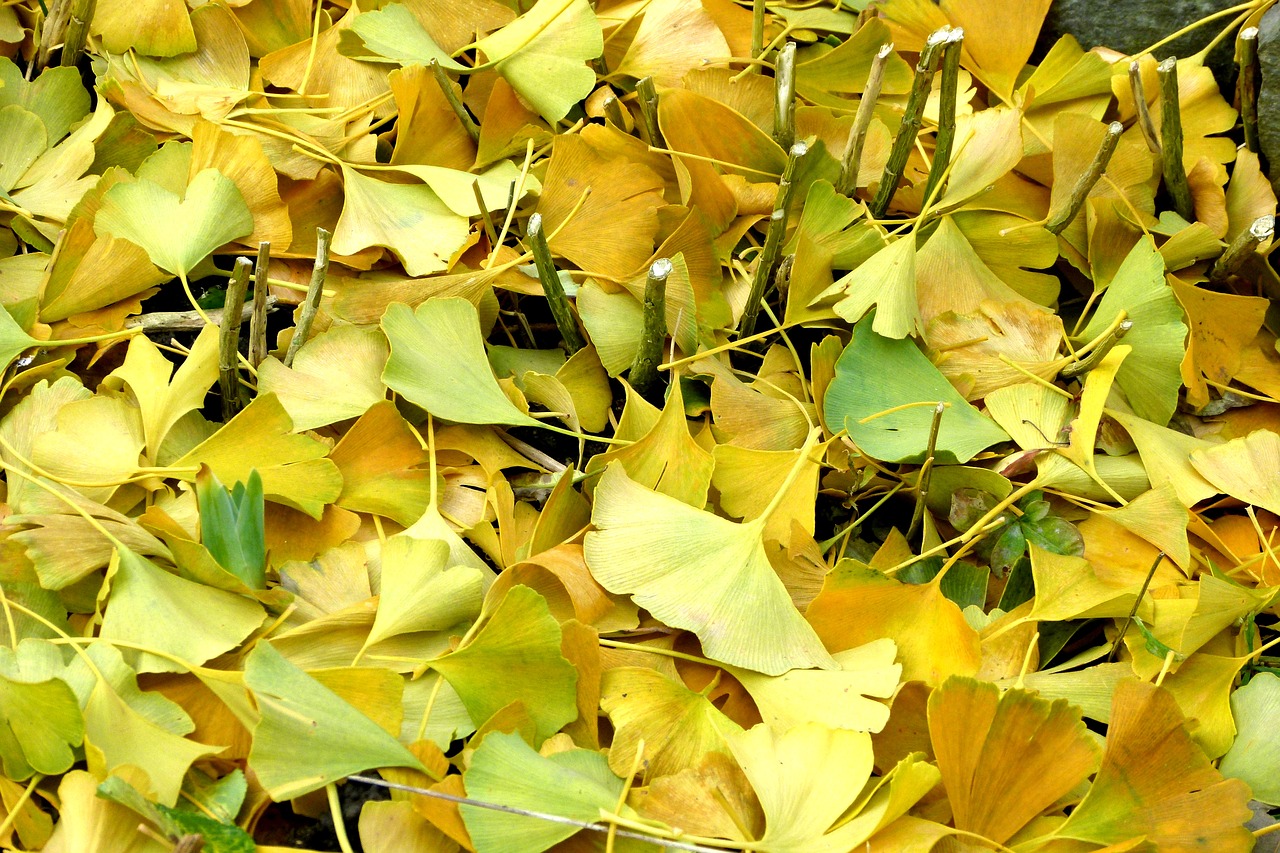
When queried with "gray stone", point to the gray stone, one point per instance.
{"points": [[1132, 25], [1269, 90]]}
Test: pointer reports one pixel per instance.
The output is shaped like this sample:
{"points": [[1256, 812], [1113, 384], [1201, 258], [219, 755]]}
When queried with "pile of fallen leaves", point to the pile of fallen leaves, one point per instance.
{"points": [[665, 437]]}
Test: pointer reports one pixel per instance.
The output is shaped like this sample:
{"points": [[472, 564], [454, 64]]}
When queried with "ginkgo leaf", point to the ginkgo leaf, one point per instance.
{"points": [[1254, 757], [838, 700], [887, 282], [438, 362], [383, 466], [543, 54], [145, 602], [394, 32], [806, 778], [13, 341], [164, 396], [420, 591], [24, 139], [1237, 468], [335, 375], [1005, 758], [1155, 783], [515, 657], [41, 714], [293, 468], [697, 571], [1151, 377], [677, 726], [177, 233], [1222, 325], [575, 784], [408, 219], [884, 394], [674, 38], [307, 736]]}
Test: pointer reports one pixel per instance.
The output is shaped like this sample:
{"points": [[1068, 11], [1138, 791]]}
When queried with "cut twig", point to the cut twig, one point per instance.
{"points": [[1100, 351], [647, 96], [1124, 629], [157, 322], [51, 32], [455, 103], [551, 286], [613, 112], [1248, 87], [229, 339], [258, 317], [1085, 183], [489, 230], [926, 471], [947, 98], [784, 101], [1145, 124], [757, 34], [768, 262], [1242, 248], [1175, 176], [77, 31], [644, 370], [847, 184], [906, 138], [311, 304]]}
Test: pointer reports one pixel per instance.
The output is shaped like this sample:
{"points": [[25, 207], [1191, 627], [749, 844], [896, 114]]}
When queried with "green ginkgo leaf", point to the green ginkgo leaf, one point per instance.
{"points": [[393, 32], [438, 362], [421, 591], [575, 784], [543, 54], [13, 341], [307, 735], [877, 374], [22, 139], [697, 571], [887, 282], [515, 657], [1151, 375], [146, 602], [177, 233], [43, 720]]}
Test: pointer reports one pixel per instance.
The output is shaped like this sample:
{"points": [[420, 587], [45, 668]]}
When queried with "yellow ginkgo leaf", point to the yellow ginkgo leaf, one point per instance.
{"points": [[421, 591], [678, 726], [697, 571], [806, 778], [1242, 467], [887, 282], [1005, 758], [674, 38], [336, 375]]}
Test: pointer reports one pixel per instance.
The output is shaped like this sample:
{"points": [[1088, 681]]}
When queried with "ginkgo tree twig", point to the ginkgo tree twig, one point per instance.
{"points": [[1248, 87], [644, 370], [926, 471], [768, 262], [455, 103], [647, 97], [311, 304], [847, 183], [757, 34], [1124, 628], [229, 339], [552, 287], [1175, 174], [1242, 247], [258, 316], [947, 97], [784, 96], [1085, 182], [1140, 108], [910, 126], [77, 31]]}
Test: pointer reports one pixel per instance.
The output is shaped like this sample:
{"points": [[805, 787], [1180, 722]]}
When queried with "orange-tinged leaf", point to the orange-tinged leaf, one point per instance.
{"points": [[1005, 758]]}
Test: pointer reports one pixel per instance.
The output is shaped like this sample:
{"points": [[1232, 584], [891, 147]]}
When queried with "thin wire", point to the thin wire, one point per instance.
{"points": [[551, 818]]}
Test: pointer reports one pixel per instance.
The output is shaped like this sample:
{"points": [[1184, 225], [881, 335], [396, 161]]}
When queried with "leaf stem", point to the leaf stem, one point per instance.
{"points": [[551, 286], [1248, 87], [13, 811], [1145, 124], [1175, 175], [947, 97], [1137, 602], [229, 339], [847, 183], [311, 304], [784, 98], [1085, 183], [339, 823], [455, 103], [489, 230], [644, 370], [1242, 248], [767, 265], [910, 126]]}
